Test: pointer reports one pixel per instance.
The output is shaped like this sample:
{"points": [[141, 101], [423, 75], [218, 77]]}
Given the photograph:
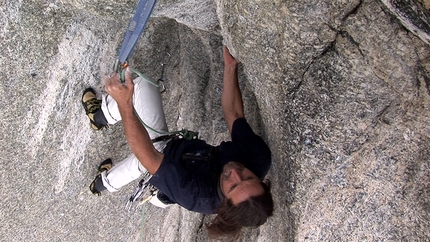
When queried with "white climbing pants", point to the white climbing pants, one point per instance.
{"points": [[148, 105]]}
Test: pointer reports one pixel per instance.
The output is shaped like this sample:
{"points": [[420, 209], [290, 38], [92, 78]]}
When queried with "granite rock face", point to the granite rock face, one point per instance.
{"points": [[340, 90]]}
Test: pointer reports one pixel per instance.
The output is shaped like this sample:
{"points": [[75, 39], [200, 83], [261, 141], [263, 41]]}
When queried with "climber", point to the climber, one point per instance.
{"points": [[227, 179]]}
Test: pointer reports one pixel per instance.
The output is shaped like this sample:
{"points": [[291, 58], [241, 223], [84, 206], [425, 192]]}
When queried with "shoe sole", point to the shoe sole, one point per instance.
{"points": [[93, 124], [89, 89]]}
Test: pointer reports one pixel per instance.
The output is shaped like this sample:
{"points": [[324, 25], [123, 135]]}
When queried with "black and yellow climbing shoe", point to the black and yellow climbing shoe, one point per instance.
{"points": [[93, 109], [96, 187]]}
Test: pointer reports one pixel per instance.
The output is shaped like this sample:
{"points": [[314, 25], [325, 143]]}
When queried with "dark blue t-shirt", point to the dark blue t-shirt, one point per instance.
{"points": [[191, 180]]}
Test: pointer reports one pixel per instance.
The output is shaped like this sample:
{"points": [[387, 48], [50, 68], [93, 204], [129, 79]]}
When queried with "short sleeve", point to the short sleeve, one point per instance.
{"points": [[248, 148], [241, 130]]}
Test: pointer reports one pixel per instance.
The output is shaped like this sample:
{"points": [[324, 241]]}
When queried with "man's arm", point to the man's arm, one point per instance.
{"points": [[136, 135], [232, 104]]}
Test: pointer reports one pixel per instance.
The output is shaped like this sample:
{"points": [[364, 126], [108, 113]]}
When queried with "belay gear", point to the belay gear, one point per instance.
{"points": [[160, 80], [143, 192]]}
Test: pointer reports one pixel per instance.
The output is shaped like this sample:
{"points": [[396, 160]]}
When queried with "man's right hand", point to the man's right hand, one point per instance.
{"points": [[231, 100], [229, 60], [121, 92]]}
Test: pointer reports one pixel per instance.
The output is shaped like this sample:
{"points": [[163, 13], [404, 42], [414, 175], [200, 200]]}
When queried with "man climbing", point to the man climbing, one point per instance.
{"points": [[226, 179]]}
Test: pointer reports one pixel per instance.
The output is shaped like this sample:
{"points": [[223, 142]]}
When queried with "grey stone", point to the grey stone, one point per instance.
{"points": [[338, 89], [413, 15]]}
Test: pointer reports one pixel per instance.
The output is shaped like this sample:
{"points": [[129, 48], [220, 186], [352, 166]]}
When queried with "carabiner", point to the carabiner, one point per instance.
{"points": [[160, 83]]}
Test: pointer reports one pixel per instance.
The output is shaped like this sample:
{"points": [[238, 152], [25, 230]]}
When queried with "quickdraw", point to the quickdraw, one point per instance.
{"points": [[134, 30]]}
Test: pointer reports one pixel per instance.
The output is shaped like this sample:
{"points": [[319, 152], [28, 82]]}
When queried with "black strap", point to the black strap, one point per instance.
{"points": [[164, 138]]}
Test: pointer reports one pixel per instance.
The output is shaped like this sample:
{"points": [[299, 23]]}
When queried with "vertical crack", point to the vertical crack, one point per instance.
{"points": [[346, 35], [353, 11], [331, 47], [381, 115]]}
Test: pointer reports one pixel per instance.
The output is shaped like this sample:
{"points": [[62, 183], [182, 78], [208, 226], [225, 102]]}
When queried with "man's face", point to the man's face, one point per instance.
{"points": [[239, 183]]}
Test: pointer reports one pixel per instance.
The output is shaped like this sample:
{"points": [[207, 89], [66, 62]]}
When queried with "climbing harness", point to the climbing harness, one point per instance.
{"points": [[144, 190]]}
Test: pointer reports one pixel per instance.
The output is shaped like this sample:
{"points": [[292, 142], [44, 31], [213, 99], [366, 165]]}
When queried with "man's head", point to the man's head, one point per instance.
{"points": [[238, 183], [248, 201]]}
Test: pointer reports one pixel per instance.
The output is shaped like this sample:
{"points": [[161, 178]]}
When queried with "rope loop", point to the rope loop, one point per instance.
{"points": [[184, 133]]}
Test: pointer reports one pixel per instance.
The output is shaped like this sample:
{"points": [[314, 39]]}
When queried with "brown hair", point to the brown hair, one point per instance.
{"points": [[250, 213]]}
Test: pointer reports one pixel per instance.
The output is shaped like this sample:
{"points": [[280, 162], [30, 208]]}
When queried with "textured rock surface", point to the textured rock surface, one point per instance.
{"points": [[338, 89]]}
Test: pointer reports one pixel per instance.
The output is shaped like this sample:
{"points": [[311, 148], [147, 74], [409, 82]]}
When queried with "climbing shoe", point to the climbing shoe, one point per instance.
{"points": [[96, 187], [93, 109]]}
